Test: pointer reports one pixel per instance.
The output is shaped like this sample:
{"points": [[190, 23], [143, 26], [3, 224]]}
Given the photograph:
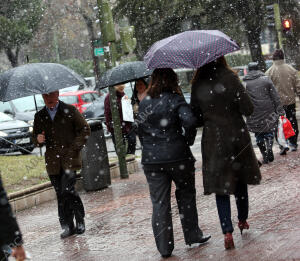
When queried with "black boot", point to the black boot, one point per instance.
{"points": [[270, 153], [68, 231], [80, 227], [262, 147]]}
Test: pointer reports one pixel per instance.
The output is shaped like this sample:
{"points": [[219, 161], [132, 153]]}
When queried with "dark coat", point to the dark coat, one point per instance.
{"points": [[126, 126], [219, 101], [65, 137], [9, 229], [160, 128], [266, 102]]}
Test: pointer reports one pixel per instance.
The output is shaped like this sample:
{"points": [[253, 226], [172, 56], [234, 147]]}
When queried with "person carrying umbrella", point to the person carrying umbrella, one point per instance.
{"points": [[64, 131], [10, 234], [129, 135], [219, 102], [166, 157]]}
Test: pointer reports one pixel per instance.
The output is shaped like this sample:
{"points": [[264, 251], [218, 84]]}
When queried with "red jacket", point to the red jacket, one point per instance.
{"points": [[126, 126]]}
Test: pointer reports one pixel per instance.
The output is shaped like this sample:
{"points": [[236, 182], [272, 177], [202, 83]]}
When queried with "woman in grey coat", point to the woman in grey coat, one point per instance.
{"points": [[267, 108], [219, 101]]}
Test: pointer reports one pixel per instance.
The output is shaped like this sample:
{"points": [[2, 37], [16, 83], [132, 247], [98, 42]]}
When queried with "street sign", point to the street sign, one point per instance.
{"points": [[98, 51]]}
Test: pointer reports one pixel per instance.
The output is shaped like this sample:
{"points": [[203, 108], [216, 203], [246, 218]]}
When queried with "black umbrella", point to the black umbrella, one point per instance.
{"points": [[36, 78], [123, 73]]}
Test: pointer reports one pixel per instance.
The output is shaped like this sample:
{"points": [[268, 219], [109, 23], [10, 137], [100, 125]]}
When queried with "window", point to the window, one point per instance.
{"points": [[87, 97], [5, 107], [27, 103], [69, 99]]}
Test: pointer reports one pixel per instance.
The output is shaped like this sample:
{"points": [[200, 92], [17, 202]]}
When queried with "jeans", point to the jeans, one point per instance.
{"points": [[290, 111], [224, 209], [263, 136], [159, 178], [68, 200]]}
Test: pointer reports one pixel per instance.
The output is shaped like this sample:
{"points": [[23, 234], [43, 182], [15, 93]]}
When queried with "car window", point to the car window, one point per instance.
{"points": [[95, 95], [69, 99], [5, 107], [87, 97], [27, 103], [4, 117]]}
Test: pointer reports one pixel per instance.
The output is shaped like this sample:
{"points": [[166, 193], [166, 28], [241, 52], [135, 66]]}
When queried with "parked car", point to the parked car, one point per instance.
{"points": [[79, 98], [15, 135], [22, 109], [241, 71]]}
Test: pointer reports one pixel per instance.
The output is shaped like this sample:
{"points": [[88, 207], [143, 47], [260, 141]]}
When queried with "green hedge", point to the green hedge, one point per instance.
{"points": [[238, 59]]}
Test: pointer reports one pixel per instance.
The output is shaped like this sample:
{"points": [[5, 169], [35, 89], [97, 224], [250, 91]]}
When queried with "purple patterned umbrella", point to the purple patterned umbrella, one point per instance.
{"points": [[190, 49]]}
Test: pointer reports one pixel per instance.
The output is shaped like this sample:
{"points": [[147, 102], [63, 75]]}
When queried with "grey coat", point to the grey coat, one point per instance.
{"points": [[266, 102], [219, 101]]}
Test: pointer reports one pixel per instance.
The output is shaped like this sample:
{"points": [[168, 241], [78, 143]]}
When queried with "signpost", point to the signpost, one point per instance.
{"points": [[98, 51]]}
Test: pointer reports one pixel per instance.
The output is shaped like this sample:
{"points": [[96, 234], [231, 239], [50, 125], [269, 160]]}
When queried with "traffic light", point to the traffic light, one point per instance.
{"points": [[270, 15], [287, 25]]}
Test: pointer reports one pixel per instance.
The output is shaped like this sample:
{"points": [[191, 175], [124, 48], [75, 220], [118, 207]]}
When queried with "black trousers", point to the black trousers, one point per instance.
{"points": [[224, 209], [290, 111], [159, 179], [129, 139], [68, 200]]}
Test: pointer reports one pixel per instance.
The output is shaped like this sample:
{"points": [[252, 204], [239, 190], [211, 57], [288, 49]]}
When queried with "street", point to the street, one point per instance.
{"points": [[118, 221]]}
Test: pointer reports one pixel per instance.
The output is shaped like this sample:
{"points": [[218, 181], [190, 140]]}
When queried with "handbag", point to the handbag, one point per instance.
{"points": [[280, 134], [287, 127], [127, 111]]}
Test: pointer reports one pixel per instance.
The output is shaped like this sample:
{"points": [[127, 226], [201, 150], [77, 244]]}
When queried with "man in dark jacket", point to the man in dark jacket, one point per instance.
{"points": [[64, 131], [267, 108], [127, 130], [10, 234]]}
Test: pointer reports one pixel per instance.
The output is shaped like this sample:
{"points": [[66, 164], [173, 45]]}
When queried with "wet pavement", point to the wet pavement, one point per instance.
{"points": [[118, 222]]}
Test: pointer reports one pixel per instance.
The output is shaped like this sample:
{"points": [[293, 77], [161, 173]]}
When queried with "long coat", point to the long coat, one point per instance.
{"points": [[266, 102], [9, 229], [166, 128], [286, 81], [219, 101], [65, 137]]}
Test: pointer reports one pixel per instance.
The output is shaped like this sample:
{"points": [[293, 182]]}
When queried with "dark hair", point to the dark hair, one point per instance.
{"points": [[163, 80], [253, 66], [134, 97], [209, 70], [278, 55]]}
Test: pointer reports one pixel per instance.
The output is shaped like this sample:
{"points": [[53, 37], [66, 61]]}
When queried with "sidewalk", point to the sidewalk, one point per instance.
{"points": [[118, 221]]}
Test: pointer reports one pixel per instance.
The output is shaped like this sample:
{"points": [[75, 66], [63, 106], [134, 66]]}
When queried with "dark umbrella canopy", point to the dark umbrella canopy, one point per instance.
{"points": [[190, 49], [36, 78], [123, 73]]}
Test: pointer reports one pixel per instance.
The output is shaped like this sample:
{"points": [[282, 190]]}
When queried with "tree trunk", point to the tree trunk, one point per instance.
{"points": [[12, 56], [90, 28], [253, 36]]}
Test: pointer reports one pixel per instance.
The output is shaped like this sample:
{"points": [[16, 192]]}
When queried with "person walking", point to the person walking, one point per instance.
{"points": [[287, 83], [267, 109], [219, 102], [129, 135], [63, 130], [10, 234], [139, 93], [166, 157]]}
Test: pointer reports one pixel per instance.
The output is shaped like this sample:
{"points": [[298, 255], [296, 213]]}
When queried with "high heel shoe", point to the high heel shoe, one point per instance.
{"points": [[243, 225], [228, 241]]}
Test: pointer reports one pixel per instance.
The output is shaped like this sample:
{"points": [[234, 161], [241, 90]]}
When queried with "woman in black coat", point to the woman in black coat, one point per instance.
{"points": [[10, 235], [219, 101], [166, 128]]}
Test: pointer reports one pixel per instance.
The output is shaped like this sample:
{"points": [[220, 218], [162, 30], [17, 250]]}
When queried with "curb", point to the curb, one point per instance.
{"points": [[42, 193]]}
